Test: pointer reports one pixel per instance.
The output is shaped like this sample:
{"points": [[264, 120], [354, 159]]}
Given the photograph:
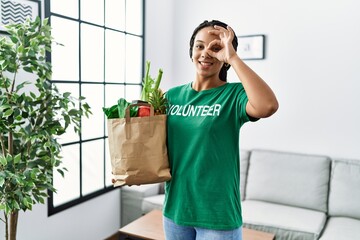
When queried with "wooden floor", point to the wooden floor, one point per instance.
{"points": [[115, 236]]}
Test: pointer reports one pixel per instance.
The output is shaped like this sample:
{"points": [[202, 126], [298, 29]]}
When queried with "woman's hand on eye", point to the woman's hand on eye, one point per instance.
{"points": [[222, 48]]}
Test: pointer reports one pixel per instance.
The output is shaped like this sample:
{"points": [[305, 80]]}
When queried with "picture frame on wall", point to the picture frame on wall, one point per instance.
{"points": [[17, 11], [251, 47]]}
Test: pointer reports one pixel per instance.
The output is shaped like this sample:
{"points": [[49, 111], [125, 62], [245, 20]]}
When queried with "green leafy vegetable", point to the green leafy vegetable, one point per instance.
{"points": [[121, 106], [118, 111], [111, 112], [149, 84]]}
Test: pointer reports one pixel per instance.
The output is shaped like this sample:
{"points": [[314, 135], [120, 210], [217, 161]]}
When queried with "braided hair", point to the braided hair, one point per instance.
{"points": [[225, 67]]}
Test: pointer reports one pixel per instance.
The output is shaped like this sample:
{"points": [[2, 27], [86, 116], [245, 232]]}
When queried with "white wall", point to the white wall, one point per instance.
{"points": [[159, 37], [93, 220], [312, 64]]}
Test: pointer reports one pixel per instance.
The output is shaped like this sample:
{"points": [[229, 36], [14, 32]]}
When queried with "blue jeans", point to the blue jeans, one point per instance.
{"points": [[177, 232]]}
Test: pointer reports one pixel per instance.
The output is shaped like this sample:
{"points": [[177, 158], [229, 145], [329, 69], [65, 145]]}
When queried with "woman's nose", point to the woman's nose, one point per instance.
{"points": [[205, 53]]}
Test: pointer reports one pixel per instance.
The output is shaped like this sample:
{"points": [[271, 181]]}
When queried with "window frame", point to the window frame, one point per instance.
{"points": [[106, 188]]}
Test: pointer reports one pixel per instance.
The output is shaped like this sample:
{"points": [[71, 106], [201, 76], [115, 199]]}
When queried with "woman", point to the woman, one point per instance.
{"points": [[204, 119]]}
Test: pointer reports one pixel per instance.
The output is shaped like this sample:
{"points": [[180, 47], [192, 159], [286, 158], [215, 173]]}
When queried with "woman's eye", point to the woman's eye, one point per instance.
{"points": [[198, 46], [216, 48]]}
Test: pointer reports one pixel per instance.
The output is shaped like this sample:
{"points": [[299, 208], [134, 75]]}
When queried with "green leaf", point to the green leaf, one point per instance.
{"points": [[66, 94], [34, 173], [41, 200], [32, 95], [28, 201], [32, 53], [3, 160], [30, 184], [4, 107], [73, 112], [2, 181], [28, 69], [25, 202], [2, 206], [61, 172], [18, 118], [44, 194], [3, 65], [8, 112], [15, 205], [45, 21], [17, 158], [9, 158], [17, 112]]}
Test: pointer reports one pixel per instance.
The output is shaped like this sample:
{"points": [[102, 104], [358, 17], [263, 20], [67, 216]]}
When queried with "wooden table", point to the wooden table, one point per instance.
{"points": [[150, 227], [251, 234]]}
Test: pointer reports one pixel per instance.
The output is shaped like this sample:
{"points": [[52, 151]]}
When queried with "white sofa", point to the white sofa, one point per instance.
{"points": [[295, 196]]}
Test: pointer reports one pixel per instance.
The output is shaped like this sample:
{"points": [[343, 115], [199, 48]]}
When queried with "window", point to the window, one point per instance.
{"points": [[98, 53]]}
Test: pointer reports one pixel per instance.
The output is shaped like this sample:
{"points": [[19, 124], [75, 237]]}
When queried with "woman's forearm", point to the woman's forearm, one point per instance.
{"points": [[262, 100]]}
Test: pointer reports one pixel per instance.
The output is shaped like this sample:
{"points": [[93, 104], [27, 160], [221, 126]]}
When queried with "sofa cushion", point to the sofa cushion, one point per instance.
{"points": [[289, 178], [287, 223], [244, 164], [151, 203], [344, 196], [339, 228]]}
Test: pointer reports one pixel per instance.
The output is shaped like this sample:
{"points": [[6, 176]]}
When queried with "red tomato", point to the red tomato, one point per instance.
{"points": [[143, 111]]}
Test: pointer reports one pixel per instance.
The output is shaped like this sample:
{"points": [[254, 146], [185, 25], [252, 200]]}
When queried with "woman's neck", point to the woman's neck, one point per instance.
{"points": [[201, 84]]}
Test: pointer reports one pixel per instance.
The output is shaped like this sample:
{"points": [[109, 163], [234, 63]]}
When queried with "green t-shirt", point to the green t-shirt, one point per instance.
{"points": [[203, 144]]}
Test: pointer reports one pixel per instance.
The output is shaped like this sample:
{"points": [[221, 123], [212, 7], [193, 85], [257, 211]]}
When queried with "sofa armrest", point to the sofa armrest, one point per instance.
{"points": [[141, 191], [132, 198]]}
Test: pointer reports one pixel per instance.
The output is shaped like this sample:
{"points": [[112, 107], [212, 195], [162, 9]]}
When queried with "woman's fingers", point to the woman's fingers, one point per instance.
{"points": [[215, 45], [222, 32], [222, 48]]}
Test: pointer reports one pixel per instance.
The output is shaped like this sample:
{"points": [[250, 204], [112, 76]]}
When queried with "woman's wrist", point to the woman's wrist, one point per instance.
{"points": [[233, 59]]}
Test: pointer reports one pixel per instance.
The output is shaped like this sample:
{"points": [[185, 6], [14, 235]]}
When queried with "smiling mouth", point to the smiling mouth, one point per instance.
{"points": [[206, 63]]}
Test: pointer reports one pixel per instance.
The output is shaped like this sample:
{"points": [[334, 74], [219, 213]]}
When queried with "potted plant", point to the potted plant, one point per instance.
{"points": [[32, 115]]}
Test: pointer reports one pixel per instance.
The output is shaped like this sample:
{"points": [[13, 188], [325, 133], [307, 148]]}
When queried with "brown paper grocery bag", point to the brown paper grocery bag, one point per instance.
{"points": [[138, 148]]}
